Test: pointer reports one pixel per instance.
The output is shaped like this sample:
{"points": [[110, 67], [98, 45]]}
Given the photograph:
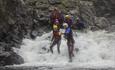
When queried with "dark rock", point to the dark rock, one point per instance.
{"points": [[112, 20], [34, 34], [5, 54], [43, 19], [8, 57], [13, 59], [94, 28], [15, 22], [103, 7], [102, 23], [42, 6], [111, 28], [55, 2], [97, 14], [88, 12]]}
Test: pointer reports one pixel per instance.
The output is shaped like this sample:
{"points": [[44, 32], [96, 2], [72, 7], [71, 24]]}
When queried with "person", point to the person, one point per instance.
{"points": [[56, 39], [70, 40], [56, 14], [79, 24], [68, 20]]}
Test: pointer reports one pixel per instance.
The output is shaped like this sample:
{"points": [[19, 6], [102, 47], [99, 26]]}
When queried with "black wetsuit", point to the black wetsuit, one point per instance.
{"points": [[70, 42]]}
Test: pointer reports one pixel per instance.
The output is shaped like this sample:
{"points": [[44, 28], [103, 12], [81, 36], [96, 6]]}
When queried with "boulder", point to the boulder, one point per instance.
{"points": [[111, 28], [102, 22], [13, 59]]}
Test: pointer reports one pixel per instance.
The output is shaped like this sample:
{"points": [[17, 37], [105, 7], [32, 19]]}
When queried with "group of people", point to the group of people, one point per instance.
{"points": [[58, 21]]}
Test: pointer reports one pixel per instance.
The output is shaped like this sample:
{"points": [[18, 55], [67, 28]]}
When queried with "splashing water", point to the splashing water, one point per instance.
{"points": [[96, 49]]}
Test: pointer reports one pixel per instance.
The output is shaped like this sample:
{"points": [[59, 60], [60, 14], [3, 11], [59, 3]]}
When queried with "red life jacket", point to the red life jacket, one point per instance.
{"points": [[56, 34]]}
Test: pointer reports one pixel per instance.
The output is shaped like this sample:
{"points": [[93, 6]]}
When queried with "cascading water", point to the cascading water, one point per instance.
{"points": [[96, 49]]}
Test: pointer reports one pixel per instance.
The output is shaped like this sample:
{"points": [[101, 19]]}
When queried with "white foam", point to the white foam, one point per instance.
{"points": [[96, 49]]}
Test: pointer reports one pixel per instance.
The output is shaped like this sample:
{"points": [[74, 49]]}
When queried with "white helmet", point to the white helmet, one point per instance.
{"points": [[65, 25]]}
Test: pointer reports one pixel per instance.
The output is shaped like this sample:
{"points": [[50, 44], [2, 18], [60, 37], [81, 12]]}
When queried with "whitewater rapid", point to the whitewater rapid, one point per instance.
{"points": [[96, 49]]}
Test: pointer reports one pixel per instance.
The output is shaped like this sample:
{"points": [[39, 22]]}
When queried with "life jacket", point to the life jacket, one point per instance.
{"points": [[69, 33], [56, 34]]}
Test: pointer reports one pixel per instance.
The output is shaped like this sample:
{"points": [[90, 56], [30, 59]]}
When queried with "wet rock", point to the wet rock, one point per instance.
{"points": [[5, 54], [42, 6], [96, 14], [34, 34], [54, 1], [13, 59], [103, 7], [112, 20], [14, 24], [102, 23], [94, 28], [87, 12], [8, 57], [43, 19], [111, 28]]}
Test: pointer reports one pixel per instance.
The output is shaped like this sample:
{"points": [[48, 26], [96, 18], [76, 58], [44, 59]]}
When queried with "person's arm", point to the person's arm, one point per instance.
{"points": [[52, 36]]}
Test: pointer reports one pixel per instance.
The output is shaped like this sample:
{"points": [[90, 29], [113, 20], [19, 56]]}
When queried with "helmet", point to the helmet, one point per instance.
{"points": [[55, 27], [67, 16], [65, 25]]}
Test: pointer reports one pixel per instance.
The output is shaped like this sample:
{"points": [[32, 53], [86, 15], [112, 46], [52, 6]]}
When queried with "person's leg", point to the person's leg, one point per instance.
{"points": [[51, 48], [58, 46], [69, 51], [52, 45], [72, 47]]}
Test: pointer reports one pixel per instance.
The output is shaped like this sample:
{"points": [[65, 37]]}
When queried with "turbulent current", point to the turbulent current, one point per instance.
{"points": [[96, 49]]}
